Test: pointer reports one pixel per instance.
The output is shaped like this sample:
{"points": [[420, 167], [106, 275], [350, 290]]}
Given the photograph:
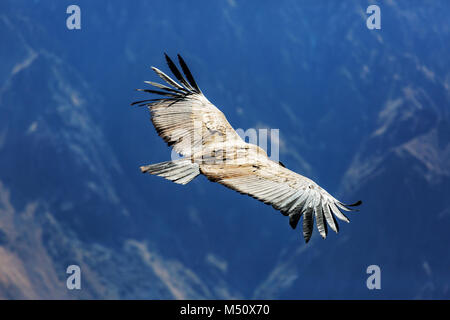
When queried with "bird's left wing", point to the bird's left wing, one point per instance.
{"points": [[292, 194], [182, 115]]}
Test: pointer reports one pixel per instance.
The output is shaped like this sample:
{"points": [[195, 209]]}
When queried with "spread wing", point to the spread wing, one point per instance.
{"points": [[293, 194], [188, 122], [183, 116]]}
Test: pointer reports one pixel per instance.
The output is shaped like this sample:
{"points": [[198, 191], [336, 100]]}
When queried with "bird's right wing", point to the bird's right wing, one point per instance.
{"points": [[293, 194], [183, 116]]}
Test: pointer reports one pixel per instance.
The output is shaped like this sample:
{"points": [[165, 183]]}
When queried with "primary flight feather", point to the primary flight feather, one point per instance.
{"points": [[200, 132]]}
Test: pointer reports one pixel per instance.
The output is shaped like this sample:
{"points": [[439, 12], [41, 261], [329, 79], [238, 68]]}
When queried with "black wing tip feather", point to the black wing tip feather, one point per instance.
{"points": [[173, 67], [190, 84], [294, 219], [308, 225], [188, 74], [186, 88], [357, 203], [307, 237], [352, 205]]}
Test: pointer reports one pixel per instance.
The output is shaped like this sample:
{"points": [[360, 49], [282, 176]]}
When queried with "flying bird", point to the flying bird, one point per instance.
{"points": [[208, 144]]}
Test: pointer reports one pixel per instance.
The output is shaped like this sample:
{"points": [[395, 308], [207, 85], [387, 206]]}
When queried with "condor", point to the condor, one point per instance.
{"points": [[199, 131]]}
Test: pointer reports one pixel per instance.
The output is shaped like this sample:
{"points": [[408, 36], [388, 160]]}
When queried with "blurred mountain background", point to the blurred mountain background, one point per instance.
{"points": [[365, 113]]}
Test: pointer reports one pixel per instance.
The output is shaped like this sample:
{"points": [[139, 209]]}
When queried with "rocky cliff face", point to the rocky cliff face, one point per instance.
{"points": [[65, 198]]}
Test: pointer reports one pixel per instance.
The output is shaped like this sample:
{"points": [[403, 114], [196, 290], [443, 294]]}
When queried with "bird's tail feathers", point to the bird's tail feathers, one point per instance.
{"points": [[179, 171]]}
